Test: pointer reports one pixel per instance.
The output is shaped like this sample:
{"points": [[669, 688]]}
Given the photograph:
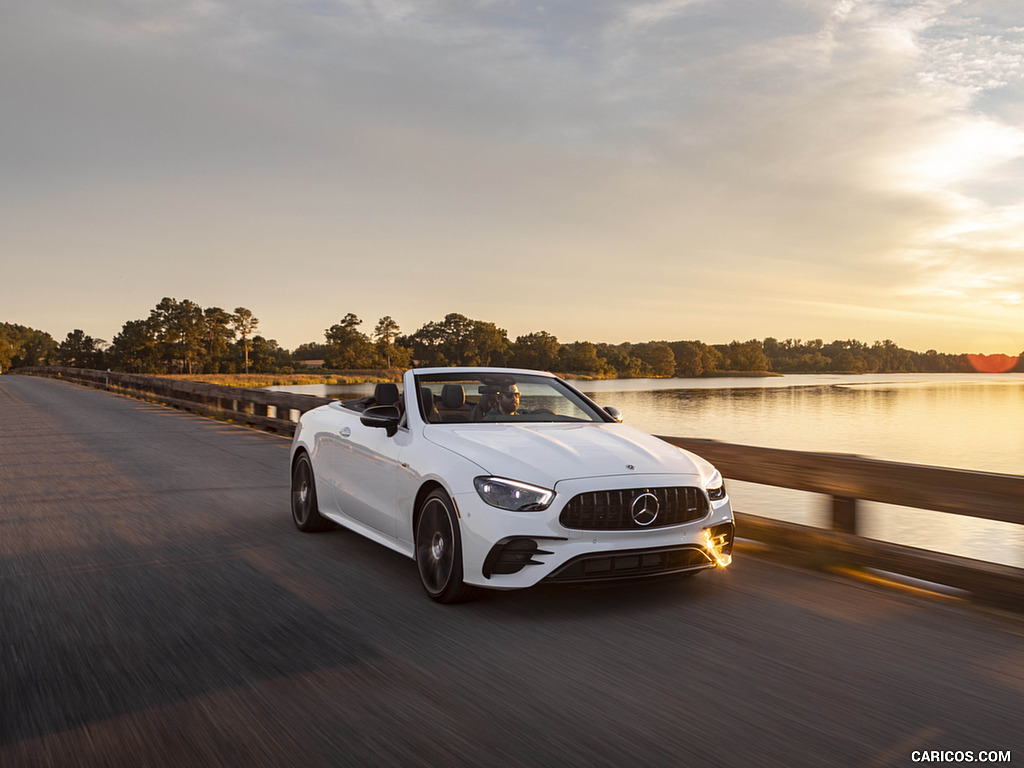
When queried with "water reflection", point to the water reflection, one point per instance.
{"points": [[942, 421]]}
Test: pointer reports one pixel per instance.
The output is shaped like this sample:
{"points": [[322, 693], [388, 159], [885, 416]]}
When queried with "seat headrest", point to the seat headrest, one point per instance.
{"points": [[386, 393], [453, 396]]}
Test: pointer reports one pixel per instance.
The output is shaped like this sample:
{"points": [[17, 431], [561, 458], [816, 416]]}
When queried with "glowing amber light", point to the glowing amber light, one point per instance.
{"points": [[721, 558], [993, 363]]}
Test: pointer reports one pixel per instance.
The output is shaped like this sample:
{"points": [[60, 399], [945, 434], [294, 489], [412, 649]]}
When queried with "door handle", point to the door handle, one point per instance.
{"points": [[345, 431]]}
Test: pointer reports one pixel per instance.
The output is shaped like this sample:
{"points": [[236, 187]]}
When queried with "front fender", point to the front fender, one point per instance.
{"points": [[427, 465]]}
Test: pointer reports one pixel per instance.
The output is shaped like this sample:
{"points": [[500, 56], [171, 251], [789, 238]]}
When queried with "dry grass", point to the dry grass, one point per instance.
{"points": [[257, 380]]}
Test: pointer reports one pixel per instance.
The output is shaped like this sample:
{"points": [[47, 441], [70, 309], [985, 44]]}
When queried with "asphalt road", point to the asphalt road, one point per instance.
{"points": [[158, 608]]}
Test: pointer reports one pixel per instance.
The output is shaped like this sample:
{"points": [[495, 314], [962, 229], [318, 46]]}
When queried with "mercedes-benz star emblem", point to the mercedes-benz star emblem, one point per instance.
{"points": [[645, 508]]}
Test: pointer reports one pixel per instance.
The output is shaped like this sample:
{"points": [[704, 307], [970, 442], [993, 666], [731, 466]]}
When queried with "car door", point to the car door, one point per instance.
{"points": [[365, 474], [326, 452]]}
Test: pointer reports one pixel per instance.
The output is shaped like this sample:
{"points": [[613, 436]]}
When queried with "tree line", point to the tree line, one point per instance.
{"points": [[183, 337], [176, 337]]}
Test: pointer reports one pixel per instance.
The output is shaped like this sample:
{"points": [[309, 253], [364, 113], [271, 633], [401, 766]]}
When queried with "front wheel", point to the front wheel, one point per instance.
{"points": [[305, 511], [439, 550]]}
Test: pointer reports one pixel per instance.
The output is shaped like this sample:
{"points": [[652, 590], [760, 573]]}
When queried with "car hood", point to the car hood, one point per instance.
{"points": [[544, 454]]}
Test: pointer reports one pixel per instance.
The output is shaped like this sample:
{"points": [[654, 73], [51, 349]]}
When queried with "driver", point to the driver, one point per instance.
{"points": [[508, 400], [505, 402]]}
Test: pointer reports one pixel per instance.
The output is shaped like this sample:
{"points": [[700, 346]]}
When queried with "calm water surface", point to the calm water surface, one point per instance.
{"points": [[973, 422]]}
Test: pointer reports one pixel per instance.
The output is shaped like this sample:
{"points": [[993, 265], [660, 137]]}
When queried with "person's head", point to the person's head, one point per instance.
{"points": [[508, 399]]}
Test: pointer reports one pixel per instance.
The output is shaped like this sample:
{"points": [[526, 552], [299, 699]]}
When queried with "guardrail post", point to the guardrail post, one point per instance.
{"points": [[844, 515]]}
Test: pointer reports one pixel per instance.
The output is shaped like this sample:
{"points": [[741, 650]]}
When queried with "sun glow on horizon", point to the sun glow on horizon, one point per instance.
{"points": [[993, 363]]}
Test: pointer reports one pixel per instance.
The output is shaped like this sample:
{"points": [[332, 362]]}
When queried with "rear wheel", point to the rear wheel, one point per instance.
{"points": [[305, 512], [439, 550]]}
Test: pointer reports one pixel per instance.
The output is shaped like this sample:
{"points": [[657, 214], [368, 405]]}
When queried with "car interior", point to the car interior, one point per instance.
{"points": [[450, 407]]}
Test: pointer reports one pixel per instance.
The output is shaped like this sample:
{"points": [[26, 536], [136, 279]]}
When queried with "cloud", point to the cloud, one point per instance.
{"points": [[863, 151]]}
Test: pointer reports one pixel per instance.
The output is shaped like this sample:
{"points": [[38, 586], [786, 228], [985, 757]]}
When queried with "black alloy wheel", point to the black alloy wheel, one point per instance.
{"points": [[439, 550], [305, 511]]}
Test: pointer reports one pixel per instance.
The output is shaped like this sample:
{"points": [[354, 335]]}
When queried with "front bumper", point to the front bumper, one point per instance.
{"points": [[513, 550]]}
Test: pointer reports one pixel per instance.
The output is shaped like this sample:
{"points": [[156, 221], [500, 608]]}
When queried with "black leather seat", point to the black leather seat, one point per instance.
{"points": [[427, 402], [386, 393], [486, 404], [452, 407]]}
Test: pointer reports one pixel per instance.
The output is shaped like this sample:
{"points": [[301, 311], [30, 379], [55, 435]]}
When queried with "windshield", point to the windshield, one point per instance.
{"points": [[451, 398]]}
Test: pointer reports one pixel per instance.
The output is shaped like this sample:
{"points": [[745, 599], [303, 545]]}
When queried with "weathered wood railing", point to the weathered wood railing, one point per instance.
{"points": [[274, 411], [846, 479], [849, 479]]}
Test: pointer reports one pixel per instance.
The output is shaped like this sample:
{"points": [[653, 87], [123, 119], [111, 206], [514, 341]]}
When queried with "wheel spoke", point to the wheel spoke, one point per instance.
{"points": [[300, 493], [436, 575]]}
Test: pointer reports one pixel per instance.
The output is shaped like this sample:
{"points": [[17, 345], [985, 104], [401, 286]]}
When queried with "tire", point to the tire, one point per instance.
{"points": [[439, 550], [305, 511]]}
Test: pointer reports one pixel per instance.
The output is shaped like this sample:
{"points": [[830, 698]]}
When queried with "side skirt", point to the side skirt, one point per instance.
{"points": [[402, 547]]}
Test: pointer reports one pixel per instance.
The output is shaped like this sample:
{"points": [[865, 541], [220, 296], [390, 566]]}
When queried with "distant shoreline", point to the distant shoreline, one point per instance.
{"points": [[739, 375], [260, 381]]}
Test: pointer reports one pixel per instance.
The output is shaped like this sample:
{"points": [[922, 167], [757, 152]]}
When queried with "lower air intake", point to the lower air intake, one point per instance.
{"points": [[631, 564]]}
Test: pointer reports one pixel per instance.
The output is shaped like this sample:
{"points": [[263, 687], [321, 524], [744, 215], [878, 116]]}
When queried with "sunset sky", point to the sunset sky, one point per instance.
{"points": [[610, 171]]}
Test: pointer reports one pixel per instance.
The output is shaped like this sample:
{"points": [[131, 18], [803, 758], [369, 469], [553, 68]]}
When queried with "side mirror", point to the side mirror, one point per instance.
{"points": [[613, 412], [382, 416]]}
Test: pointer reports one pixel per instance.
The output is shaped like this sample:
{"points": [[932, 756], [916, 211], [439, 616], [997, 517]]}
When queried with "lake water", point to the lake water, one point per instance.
{"points": [[966, 421]]}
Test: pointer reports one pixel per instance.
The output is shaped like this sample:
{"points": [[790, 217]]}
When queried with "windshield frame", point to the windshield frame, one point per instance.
{"points": [[474, 380]]}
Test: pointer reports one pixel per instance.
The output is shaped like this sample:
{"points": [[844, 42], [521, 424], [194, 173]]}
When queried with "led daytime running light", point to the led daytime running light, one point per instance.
{"points": [[512, 494]]}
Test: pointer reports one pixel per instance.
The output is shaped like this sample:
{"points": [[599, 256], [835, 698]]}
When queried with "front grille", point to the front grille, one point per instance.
{"points": [[613, 566], [623, 510]]}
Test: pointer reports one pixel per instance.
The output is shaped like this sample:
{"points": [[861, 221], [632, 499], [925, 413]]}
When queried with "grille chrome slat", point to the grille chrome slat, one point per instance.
{"points": [[613, 510]]}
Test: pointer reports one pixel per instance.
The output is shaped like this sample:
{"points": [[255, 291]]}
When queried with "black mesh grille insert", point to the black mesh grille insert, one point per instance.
{"points": [[609, 566], [625, 510]]}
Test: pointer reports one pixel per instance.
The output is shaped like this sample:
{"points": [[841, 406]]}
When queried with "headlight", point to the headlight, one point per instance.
{"points": [[512, 495], [715, 486]]}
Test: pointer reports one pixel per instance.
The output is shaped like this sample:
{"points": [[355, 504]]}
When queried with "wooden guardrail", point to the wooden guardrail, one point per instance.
{"points": [[849, 479], [273, 411], [846, 479]]}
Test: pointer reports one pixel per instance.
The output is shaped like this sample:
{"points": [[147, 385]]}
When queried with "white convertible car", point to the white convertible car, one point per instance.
{"points": [[505, 478]]}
